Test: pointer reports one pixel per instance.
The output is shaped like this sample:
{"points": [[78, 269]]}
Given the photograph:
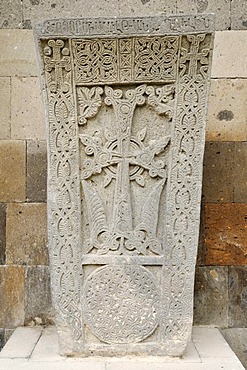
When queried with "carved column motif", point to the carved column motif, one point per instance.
{"points": [[126, 113], [63, 186]]}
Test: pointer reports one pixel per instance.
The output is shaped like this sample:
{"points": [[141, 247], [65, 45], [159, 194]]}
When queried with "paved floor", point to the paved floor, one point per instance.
{"points": [[37, 349]]}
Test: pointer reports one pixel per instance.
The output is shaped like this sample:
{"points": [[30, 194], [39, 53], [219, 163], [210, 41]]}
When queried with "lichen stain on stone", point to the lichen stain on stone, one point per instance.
{"points": [[225, 115], [214, 274], [202, 5], [145, 1], [244, 23]]}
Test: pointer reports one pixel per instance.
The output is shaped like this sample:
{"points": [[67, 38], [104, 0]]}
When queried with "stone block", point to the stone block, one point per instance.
{"points": [[18, 56], [37, 10], [240, 172], [26, 234], [10, 14], [2, 339], [238, 15], [13, 171], [218, 172], [2, 232], [211, 296], [12, 296], [146, 7], [227, 110], [238, 296], [27, 120], [5, 107], [38, 306], [230, 54], [237, 340], [226, 234], [36, 171]]}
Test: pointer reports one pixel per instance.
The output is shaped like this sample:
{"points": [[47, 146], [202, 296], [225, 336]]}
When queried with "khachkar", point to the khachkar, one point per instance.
{"points": [[126, 103]]}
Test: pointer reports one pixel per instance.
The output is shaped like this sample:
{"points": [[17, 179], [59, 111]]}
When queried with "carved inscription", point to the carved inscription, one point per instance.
{"points": [[121, 303], [126, 119]]}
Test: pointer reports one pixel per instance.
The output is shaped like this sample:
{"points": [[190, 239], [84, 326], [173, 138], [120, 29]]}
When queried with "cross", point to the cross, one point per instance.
{"points": [[53, 60], [194, 56], [121, 151]]}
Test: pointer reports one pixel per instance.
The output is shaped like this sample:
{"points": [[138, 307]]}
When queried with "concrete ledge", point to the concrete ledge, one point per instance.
{"points": [[37, 349]]}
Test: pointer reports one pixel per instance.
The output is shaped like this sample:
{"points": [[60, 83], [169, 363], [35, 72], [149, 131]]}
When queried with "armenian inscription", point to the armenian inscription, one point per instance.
{"points": [[126, 105]]}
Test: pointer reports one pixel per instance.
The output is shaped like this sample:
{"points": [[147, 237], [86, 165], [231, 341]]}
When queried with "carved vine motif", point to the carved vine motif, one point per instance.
{"points": [[124, 158], [121, 303], [187, 159], [136, 59], [63, 227]]}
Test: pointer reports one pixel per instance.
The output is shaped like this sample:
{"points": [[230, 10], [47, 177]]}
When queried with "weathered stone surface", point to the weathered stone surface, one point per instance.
{"points": [[221, 9], [230, 52], [120, 152], [11, 296], [238, 15], [238, 296], [36, 171], [26, 234], [13, 171], [227, 112], [2, 339], [27, 119], [38, 306], [240, 173], [36, 10], [211, 296], [218, 172], [146, 7], [226, 234], [237, 339], [10, 14], [18, 58], [5, 108], [2, 232]]}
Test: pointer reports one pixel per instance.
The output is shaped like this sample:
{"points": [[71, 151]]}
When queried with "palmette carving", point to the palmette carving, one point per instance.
{"points": [[126, 133], [113, 155]]}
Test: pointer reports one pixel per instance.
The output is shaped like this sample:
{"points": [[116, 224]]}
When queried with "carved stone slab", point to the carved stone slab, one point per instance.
{"points": [[126, 103]]}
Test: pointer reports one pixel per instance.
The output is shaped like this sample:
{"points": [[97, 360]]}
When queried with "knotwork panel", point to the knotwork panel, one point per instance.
{"points": [[126, 109]]}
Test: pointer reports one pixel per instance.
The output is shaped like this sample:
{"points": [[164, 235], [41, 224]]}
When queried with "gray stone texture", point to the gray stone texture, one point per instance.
{"points": [[211, 296], [10, 13], [238, 15], [2, 233], [38, 306], [218, 172], [240, 172], [237, 296], [36, 171]]}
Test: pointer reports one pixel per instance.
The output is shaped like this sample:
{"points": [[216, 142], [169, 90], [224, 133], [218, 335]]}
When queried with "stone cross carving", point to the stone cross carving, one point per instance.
{"points": [[126, 105]]}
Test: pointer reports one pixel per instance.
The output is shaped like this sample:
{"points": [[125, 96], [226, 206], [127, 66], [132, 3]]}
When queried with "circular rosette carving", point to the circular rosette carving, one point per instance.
{"points": [[121, 303]]}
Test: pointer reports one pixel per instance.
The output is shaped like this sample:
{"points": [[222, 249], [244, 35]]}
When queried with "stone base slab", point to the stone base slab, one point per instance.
{"points": [[37, 349]]}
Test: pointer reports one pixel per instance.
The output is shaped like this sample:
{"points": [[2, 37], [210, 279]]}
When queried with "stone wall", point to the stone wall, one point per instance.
{"points": [[221, 277]]}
